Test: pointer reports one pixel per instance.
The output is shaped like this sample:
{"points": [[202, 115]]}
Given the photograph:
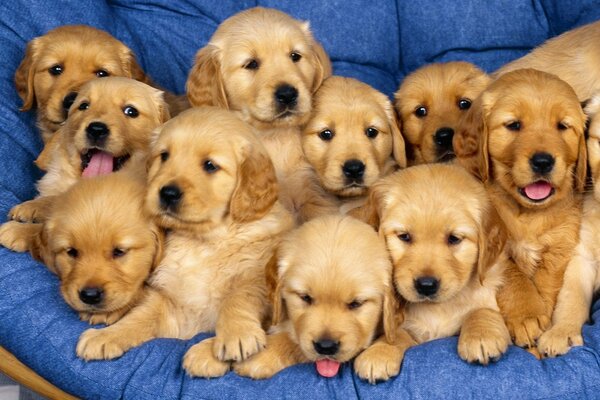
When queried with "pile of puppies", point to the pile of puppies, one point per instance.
{"points": [[285, 212]]}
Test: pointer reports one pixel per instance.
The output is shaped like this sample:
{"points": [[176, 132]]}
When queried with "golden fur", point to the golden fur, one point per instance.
{"points": [[328, 286], [223, 229], [128, 141], [363, 128], [251, 56], [445, 91], [97, 236], [573, 56], [438, 223], [522, 114]]}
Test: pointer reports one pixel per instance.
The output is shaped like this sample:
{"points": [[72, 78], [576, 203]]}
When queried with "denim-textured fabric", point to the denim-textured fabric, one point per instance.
{"points": [[376, 41]]}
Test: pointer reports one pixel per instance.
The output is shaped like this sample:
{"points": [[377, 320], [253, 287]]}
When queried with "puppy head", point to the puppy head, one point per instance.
{"points": [[111, 120], [531, 137], [592, 110], [351, 136], [263, 63], [207, 166], [58, 63], [430, 103], [100, 243], [333, 280], [440, 229]]}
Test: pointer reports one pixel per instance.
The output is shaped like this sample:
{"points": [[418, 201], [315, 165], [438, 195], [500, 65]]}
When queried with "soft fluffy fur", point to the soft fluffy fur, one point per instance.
{"points": [[105, 101], [444, 91], [97, 237], [223, 227], [352, 123], [82, 53], [251, 56], [439, 224], [573, 56], [328, 286], [524, 113]]}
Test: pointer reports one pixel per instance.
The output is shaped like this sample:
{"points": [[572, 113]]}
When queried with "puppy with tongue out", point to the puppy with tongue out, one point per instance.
{"points": [[109, 127]]}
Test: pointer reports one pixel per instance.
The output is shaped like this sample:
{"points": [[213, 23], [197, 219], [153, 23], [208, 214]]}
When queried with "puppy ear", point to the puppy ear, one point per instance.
{"points": [[131, 67], [205, 85], [159, 242], [273, 289], [468, 139], [45, 156], [163, 108], [322, 63], [371, 210], [25, 73], [582, 166], [392, 314], [399, 146], [491, 240], [40, 245], [256, 190]]}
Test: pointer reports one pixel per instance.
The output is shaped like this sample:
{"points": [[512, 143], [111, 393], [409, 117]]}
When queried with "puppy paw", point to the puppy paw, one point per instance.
{"points": [[15, 236], [526, 331], [102, 344], [200, 361], [31, 211], [483, 346], [239, 343], [108, 318], [260, 366], [379, 362], [558, 340], [527, 256]]}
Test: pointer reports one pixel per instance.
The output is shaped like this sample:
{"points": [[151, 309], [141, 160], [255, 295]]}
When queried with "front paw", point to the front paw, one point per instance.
{"points": [[526, 331], [29, 211], [236, 343], [558, 340], [107, 318], [527, 256], [200, 361], [483, 345], [262, 365], [102, 344], [15, 236], [379, 362]]}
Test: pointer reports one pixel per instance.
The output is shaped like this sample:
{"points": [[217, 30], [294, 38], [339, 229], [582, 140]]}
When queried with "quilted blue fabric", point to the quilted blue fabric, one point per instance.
{"points": [[379, 42]]}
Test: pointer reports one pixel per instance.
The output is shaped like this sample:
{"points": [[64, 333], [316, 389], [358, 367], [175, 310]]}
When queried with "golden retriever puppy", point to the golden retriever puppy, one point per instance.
{"points": [[351, 137], [529, 127], [265, 66], [573, 56], [213, 186], [430, 103], [446, 244], [581, 278], [100, 243], [330, 294], [109, 127]]}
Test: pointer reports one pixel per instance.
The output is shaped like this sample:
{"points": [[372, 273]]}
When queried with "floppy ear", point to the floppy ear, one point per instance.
{"points": [[131, 67], [256, 190], [24, 74], [273, 291], [45, 156], [467, 142], [491, 240], [40, 245], [163, 108], [399, 146], [205, 86], [392, 314], [321, 62], [582, 166], [370, 211], [159, 241]]}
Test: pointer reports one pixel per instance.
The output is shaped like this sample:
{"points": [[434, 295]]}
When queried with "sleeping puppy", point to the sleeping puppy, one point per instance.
{"points": [[573, 56], [99, 242], [330, 291], [213, 187], [351, 137], [265, 66], [581, 279], [109, 127], [430, 103], [446, 244], [529, 127]]}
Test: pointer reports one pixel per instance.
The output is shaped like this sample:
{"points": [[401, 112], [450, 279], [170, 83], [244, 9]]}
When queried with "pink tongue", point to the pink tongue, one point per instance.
{"points": [[327, 368], [538, 190], [100, 164]]}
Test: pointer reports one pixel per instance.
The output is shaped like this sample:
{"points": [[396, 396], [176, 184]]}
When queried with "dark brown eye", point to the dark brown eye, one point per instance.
{"points": [[326, 135], [464, 104], [353, 305], [84, 106], [371, 132], [55, 70], [295, 56], [514, 126], [117, 252], [562, 126], [164, 156], [405, 237], [306, 298], [73, 253], [210, 167], [453, 240], [101, 73], [421, 111], [131, 111], [252, 64]]}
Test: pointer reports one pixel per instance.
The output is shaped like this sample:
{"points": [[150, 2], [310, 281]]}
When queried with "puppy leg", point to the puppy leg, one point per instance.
{"points": [[35, 210], [483, 337], [281, 352], [200, 361], [381, 361], [19, 237]]}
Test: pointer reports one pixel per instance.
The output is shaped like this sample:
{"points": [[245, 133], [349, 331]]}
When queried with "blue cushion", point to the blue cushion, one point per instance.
{"points": [[378, 42]]}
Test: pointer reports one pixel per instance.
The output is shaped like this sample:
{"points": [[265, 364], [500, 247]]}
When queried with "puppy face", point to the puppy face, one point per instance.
{"points": [[333, 288], [532, 143], [59, 62], [592, 110], [263, 63], [111, 120], [100, 243], [351, 135], [207, 166], [430, 103]]}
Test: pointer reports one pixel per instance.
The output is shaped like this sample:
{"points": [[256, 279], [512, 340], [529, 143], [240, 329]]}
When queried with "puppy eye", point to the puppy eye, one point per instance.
{"points": [[164, 156], [371, 132], [326, 135], [131, 111], [405, 237], [117, 252], [295, 56], [84, 106], [453, 240], [73, 253], [210, 167], [353, 305], [252, 64], [306, 298], [421, 111], [514, 126], [101, 73], [562, 126], [55, 70], [464, 104]]}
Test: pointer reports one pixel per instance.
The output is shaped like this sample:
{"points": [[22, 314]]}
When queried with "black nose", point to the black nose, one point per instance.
{"points": [[170, 196], [443, 138], [354, 169], [542, 163], [326, 347], [68, 100], [91, 295], [427, 285], [286, 95], [97, 132]]}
